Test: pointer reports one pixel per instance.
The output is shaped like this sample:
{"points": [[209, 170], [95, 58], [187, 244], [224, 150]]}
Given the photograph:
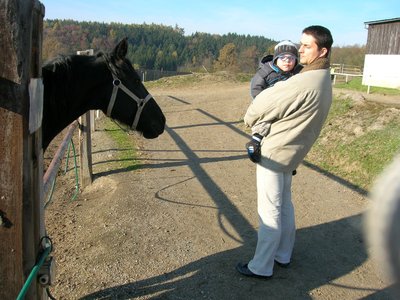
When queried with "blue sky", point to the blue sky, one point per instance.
{"points": [[266, 18]]}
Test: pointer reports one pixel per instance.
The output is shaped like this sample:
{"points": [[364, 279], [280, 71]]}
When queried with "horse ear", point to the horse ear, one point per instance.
{"points": [[121, 49]]}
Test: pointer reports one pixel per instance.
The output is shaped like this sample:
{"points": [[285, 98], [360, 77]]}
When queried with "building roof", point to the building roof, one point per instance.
{"points": [[382, 21]]}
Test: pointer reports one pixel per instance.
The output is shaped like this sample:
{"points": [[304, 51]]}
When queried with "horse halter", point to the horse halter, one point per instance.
{"points": [[119, 85]]}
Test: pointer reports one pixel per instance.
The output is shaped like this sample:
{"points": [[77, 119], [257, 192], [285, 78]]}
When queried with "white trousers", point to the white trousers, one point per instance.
{"points": [[276, 232]]}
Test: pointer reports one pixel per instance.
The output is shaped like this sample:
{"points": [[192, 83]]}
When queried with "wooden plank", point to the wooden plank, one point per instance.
{"points": [[92, 120], [11, 190], [33, 208], [11, 153], [383, 38], [85, 141], [20, 151]]}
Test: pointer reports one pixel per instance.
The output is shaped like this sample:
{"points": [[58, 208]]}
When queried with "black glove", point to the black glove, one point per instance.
{"points": [[254, 148]]}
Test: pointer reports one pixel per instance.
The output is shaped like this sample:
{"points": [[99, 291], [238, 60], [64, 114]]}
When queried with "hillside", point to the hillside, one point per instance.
{"points": [[153, 46], [159, 47]]}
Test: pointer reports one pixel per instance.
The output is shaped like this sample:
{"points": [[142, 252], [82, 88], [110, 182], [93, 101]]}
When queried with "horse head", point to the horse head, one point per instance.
{"points": [[75, 84], [130, 102]]}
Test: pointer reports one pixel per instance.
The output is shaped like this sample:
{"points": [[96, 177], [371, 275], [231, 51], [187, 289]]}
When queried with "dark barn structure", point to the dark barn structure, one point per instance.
{"points": [[383, 37], [382, 57]]}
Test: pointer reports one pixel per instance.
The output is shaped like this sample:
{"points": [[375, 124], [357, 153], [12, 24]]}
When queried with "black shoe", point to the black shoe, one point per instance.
{"points": [[282, 265], [244, 270], [294, 172]]}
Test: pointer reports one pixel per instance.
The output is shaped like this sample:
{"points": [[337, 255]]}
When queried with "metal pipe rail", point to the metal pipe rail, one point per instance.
{"points": [[52, 170]]}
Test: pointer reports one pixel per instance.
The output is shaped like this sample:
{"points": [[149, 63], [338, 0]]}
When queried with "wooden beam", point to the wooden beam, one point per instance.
{"points": [[20, 149], [11, 191], [85, 151], [85, 141]]}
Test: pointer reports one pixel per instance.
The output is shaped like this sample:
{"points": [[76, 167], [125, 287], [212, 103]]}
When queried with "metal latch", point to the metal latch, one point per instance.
{"points": [[47, 272]]}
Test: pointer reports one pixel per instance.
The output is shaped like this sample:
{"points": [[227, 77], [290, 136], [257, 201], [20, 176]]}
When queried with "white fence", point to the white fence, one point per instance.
{"points": [[344, 73]]}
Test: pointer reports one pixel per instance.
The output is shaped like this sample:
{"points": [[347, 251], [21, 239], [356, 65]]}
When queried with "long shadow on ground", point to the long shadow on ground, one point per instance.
{"points": [[342, 245], [201, 279]]}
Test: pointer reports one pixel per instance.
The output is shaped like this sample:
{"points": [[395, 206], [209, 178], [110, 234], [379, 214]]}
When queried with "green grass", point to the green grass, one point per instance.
{"points": [[373, 151], [127, 154], [356, 85], [244, 77], [357, 142], [176, 81]]}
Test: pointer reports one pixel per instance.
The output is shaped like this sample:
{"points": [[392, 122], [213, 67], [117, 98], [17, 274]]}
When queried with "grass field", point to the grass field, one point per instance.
{"points": [[357, 141], [355, 84]]}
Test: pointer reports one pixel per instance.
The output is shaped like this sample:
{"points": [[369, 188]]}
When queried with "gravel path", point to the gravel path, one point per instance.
{"points": [[176, 227]]}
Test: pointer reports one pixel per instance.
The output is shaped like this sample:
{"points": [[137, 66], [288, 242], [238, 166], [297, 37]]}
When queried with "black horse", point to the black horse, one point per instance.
{"points": [[76, 84]]}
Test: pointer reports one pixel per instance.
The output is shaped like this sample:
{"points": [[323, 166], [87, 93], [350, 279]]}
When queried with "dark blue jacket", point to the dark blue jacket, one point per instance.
{"points": [[268, 74]]}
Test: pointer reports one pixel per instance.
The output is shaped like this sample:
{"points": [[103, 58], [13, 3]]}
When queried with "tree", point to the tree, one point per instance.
{"points": [[248, 59], [349, 55], [227, 59], [51, 48], [158, 65], [192, 52]]}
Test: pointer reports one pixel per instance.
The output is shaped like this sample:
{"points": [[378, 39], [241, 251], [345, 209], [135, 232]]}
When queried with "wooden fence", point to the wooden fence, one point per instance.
{"points": [[24, 248], [86, 126], [21, 156], [344, 73], [347, 69]]}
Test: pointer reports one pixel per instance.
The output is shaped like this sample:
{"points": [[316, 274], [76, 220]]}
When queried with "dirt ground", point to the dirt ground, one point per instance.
{"points": [[176, 227]]}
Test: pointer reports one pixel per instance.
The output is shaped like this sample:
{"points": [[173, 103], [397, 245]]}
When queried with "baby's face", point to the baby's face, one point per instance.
{"points": [[286, 62]]}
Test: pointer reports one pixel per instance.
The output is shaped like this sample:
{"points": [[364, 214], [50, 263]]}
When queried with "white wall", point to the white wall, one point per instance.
{"points": [[382, 70]]}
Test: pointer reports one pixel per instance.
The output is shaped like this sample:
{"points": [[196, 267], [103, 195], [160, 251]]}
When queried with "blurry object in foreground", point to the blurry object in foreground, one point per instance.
{"points": [[383, 223]]}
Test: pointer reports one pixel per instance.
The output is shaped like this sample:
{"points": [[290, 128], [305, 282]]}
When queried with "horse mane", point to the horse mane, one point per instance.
{"points": [[59, 72], [62, 64]]}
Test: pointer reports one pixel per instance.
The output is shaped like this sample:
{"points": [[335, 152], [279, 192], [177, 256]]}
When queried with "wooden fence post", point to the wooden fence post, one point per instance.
{"points": [[85, 141], [21, 156], [92, 119], [85, 150]]}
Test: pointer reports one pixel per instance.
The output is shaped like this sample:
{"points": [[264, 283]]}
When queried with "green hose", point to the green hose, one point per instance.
{"points": [[65, 171], [51, 193], [33, 273]]}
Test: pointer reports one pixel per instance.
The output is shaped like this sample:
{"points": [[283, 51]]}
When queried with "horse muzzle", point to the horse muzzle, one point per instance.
{"points": [[155, 129]]}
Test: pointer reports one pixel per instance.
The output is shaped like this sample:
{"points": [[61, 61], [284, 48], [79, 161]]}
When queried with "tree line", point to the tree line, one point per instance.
{"points": [[167, 48]]}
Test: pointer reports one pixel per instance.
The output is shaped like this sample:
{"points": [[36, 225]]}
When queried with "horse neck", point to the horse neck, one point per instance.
{"points": [[91, 88], [64, 102]]}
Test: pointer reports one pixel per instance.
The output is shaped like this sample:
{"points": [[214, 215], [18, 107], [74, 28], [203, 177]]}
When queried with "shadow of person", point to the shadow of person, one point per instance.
{"points": [[326, 260], [323, 253]]}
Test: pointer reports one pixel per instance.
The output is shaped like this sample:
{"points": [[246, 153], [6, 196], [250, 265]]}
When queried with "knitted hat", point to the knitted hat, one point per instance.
{"points": [[285, 47]]}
